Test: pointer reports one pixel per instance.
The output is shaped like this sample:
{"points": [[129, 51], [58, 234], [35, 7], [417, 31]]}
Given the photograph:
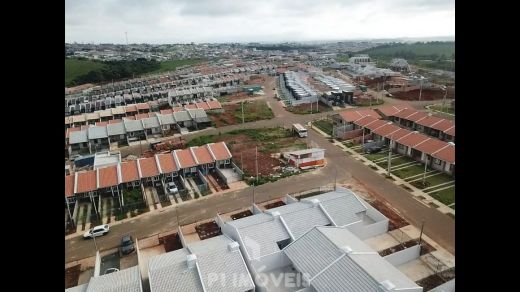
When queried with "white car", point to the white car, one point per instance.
{"points": [[172, 188], [96, 231]]}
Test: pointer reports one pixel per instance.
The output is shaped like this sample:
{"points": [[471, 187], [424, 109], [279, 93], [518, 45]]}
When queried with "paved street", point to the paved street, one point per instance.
{"points": [[438, 226]]}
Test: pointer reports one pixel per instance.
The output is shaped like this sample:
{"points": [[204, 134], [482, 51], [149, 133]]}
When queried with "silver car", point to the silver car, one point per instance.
{"points": [[96, 231]]}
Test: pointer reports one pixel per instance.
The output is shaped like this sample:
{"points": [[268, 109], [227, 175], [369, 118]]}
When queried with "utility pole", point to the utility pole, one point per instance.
{"points": [[420, 235], [390, 154], [253, 193], [335, 177], [420, 89], [242, 103], [256, 162], [95, 244], [425, 167], [444, 99]]}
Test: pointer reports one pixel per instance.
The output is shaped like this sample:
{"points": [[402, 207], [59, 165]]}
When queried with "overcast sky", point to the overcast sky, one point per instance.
{"points": [[181, 21]]}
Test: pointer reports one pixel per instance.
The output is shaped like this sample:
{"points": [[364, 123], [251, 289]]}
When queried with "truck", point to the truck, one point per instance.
{"points": [[300, 130]]}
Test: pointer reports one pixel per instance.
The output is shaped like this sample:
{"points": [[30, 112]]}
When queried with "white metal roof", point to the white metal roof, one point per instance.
{"points": [[128, 280]]}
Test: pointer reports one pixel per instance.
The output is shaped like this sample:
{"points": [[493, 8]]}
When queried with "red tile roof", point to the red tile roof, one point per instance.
{"points": [[430, 145], [69, 185], [129, 118], [141, 106], [437, 123], [101, 124], [376, 124], [214, 104], [191, 106], [184, 158], [86, 181], [131, 108], [220, 150], [203, 155], [167, 163], [353, 115], [114, 121], [70, 130], [166, 111], [366, 121], [203, 105], [447, 154], [107, 176], [390, 110], [141, 116], [450, 131], [129, 171], [387, 130], [148, 167], [411, 115], [411, 139]]}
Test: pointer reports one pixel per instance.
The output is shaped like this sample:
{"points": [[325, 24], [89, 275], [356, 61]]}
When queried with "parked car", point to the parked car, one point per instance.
{"points": [[127, 245], [111, 270], [172, 188], [96, 231], [373, 149]]}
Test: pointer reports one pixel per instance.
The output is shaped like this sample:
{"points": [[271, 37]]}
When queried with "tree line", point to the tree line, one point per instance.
{"points": [[115, 70]]}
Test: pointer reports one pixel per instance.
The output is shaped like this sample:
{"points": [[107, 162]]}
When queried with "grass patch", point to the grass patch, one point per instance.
{"points": [[410, 171], [376, 156], [223, 98], [76, 67], [199, 141], [174, 64], [373, 167], [324, 125], [446, 109], [395, 161], [433, 205], [348, 143], [388, 177], [446, 196], [254, 111]]}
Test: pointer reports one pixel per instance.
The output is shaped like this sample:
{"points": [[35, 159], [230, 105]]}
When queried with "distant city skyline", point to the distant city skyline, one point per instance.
{"points": [[269, 21]]}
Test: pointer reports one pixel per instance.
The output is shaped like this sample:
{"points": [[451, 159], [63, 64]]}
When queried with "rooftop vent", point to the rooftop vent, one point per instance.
{"points": [[306, 281], [451, 143], [346, 249], [275, 214], [191, 260], [314, 202], [233, 246], [387, 285]]}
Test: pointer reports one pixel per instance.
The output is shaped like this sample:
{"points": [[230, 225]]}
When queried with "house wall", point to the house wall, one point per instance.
{"points": [[402, 149], [436, 166], [363, 231], [404, 256]]}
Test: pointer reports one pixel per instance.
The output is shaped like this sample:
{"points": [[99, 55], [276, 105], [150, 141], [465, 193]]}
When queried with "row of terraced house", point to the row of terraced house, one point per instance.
{"points": [[91, 135], [174, 166], [415, 134]]}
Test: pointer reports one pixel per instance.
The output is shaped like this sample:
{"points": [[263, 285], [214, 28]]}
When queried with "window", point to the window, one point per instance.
{"points": [[437, 161], [400, 146], [155, 178], [193, 169], [227, 161]]}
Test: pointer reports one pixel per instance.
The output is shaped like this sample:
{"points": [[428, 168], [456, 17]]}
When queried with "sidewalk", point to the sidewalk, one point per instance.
{"points": [[417, 193]]}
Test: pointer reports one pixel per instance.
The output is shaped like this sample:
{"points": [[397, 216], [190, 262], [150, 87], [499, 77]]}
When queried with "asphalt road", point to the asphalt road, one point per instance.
{"points": [[438, 226]]}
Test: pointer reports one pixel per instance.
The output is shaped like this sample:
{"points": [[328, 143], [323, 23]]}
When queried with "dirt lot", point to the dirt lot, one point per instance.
{"points": [[246, 213], [274, 205], [72, 276], [427, 94], [396, 221], [225, 118], [208, 230], [171, 242], [306, 108]]}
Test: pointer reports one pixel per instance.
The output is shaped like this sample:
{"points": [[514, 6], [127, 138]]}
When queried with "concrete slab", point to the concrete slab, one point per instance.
{"points": [[415, 270], [381, 242], [128, 261], [440, 253], [84, 276]]}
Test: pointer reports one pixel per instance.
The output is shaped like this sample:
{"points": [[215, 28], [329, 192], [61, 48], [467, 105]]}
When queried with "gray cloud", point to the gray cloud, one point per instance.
{"points": [[157, 21]]}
